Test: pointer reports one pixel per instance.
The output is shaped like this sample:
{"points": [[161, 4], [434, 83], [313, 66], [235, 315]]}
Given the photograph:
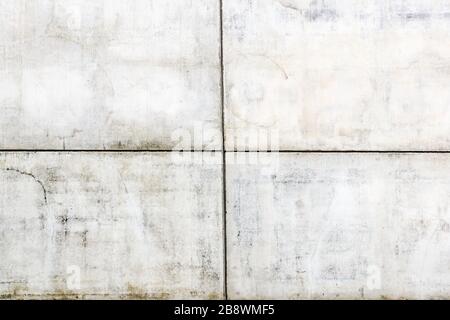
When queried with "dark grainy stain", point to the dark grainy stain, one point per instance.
{"points": [[136, 293], [84, 238], [215, 296], [142, 146], [16, 288], [207, 269], [361, 291], [64, 221], [52, 176]]}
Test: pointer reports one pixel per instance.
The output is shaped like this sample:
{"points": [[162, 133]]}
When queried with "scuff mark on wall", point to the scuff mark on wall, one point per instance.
{"points": [[44, 190]]}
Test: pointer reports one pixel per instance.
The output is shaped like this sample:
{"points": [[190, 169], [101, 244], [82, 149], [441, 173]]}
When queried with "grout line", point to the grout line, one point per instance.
{"points": [[224, 172], [106, 151], [340, 151], [213, 151]]}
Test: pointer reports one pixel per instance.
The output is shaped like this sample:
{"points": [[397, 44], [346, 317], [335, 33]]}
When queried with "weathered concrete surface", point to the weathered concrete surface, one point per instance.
{"points": [[340, 226], [109, 74], [299, 74], [347, 74], [110, 225]]}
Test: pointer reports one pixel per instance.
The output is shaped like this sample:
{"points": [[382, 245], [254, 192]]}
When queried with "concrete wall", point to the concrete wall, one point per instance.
{"points": [[339, 74], [115, 225], [108, 74], [96, 97], [358, 226]]}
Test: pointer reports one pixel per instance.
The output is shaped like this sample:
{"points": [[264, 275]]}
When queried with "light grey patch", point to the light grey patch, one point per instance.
{"points": [[415, 16], [317, 11], [321, 14], [288, 5]]}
